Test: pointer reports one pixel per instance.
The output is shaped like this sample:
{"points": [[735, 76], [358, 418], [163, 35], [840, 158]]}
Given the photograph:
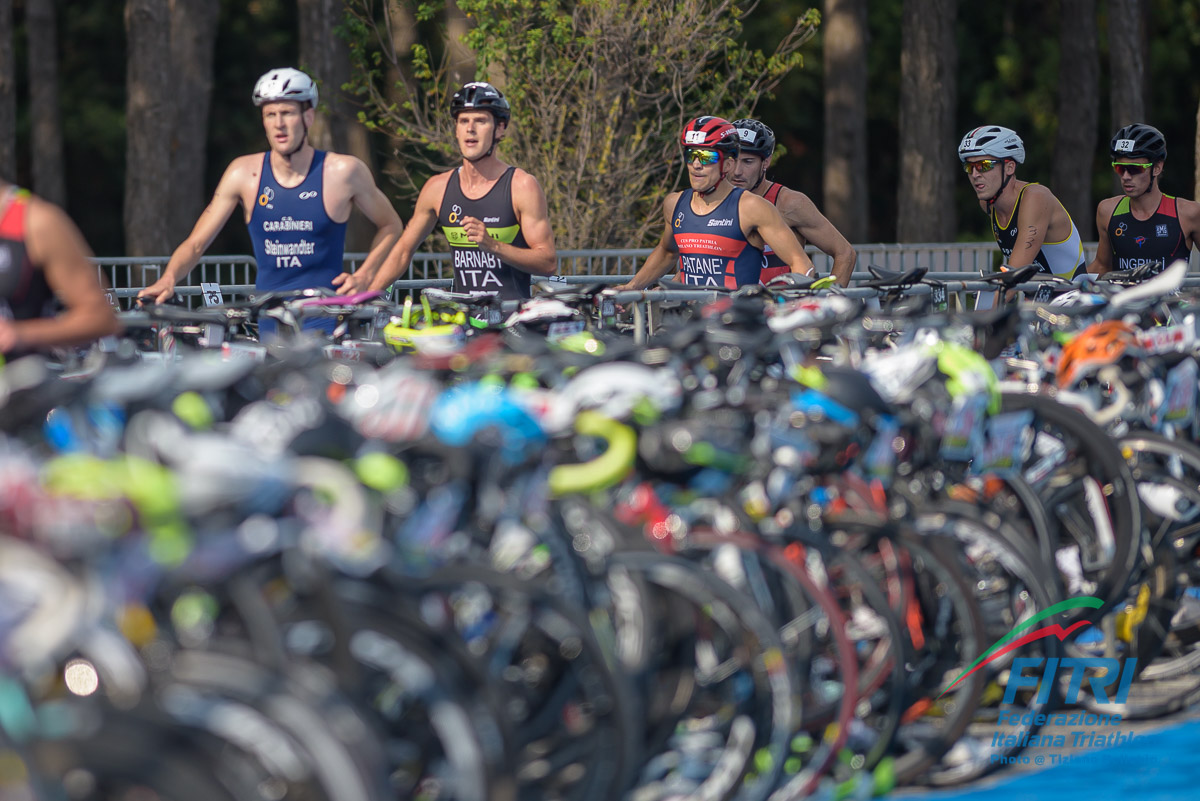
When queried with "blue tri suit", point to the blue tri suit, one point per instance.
{"points": [[296, 244], [713, 250]]}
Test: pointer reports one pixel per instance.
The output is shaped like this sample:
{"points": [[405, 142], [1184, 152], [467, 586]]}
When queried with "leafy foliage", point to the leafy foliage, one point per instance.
{"points": [[599, 90]]}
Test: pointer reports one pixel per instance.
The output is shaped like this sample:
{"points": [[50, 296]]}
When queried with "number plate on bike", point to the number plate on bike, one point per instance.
{"points": [[1043, 294], [939, 295], [212, 294]]}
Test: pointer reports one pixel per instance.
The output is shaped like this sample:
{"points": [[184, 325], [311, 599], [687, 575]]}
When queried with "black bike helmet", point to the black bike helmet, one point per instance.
{"points": [[756, 138], [1139, 141], [481, 96]]}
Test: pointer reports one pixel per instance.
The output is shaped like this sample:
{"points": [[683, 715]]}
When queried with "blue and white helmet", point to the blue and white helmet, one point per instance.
{"points": [[992, 140], [285, 83]]}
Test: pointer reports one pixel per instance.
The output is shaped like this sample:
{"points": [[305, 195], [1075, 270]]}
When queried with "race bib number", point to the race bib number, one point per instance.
{"points": [[562, 330], [212, 294], [1043, 294], [1003, 448], [879, 460], [214, 335], [1167, 339], [345, 352], [962, 435], [1179, 405]]}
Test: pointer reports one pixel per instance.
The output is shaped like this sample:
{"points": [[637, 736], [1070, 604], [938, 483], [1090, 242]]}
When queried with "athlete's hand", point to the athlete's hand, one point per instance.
{"points": [[160, 291], [476, 232], [353, 283], [8, 336]]}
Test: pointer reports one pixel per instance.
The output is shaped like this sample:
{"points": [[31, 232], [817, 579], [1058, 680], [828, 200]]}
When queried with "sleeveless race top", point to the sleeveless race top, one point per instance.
{"points": [[774, 265], [24, 292], [1059, 258], [477, 270], [296, 244], [1155, 242], [713, 250]]}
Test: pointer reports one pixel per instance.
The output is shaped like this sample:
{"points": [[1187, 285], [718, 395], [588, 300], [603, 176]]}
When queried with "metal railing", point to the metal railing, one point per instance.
{"points": [[235, 274]]}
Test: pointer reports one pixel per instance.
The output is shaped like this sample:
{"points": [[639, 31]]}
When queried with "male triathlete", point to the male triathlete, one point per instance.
{"points": [[493, 214], [44, 262], [1030, 224], [714, 233], [296, 198], [1142, 227], [801, 214]]}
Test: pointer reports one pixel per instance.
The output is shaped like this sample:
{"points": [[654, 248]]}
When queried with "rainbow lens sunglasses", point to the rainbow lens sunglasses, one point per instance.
{"points": [[984, 165], [1133, 168], [705, 155]]}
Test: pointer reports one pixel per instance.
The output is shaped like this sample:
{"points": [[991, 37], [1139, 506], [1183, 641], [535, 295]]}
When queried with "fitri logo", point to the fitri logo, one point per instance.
{"points": [[309, 195]]}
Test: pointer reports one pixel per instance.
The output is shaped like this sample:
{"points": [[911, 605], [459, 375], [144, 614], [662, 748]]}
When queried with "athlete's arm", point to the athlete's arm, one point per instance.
{"points": [[804, 216], [371, 201], [425, 216], [664, 257], [1189, 220], [529, 203], [762, 221], [1103, 262], [230, 191], [1037, 206], [56, 246]]}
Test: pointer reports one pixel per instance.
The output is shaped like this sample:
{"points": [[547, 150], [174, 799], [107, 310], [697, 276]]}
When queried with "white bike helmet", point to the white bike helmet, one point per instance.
{"points": [[992, 140], [285, 84]]}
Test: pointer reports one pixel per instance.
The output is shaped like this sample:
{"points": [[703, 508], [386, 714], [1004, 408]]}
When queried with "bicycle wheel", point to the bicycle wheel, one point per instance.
{"points": [[719, 698], [1090, 498]]}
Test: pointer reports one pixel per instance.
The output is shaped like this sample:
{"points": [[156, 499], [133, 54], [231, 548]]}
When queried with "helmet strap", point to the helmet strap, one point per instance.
{"points": [[720, 165], [762, 175], [1003, 183]]}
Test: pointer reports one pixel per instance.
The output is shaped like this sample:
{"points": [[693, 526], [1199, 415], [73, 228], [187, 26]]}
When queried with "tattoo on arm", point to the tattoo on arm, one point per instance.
{"points": [[1032, 235]]}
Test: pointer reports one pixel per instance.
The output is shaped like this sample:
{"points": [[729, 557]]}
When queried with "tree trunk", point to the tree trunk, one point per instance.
{"points": [[402, 30], [460, 58], [1078, 113], [149, 113], [928, 62], [1127, 62], [1196, 176], [8, 95], [326, 57], [845, 57], [193, 39], [45, 136]]}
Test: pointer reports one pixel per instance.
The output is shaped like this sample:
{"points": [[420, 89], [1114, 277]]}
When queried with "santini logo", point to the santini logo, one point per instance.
{"points": [[722, 221]]}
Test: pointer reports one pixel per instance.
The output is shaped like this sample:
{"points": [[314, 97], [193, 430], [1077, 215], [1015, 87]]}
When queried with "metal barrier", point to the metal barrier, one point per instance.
{"points": [[955, 257], [124, 277], [235, 275]]}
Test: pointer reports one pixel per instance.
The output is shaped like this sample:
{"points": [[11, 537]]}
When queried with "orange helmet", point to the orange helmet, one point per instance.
{"points": [[1096, 346]]}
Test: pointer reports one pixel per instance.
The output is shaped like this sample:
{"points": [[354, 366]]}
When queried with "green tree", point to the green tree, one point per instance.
{"points": [[599, 90]]}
